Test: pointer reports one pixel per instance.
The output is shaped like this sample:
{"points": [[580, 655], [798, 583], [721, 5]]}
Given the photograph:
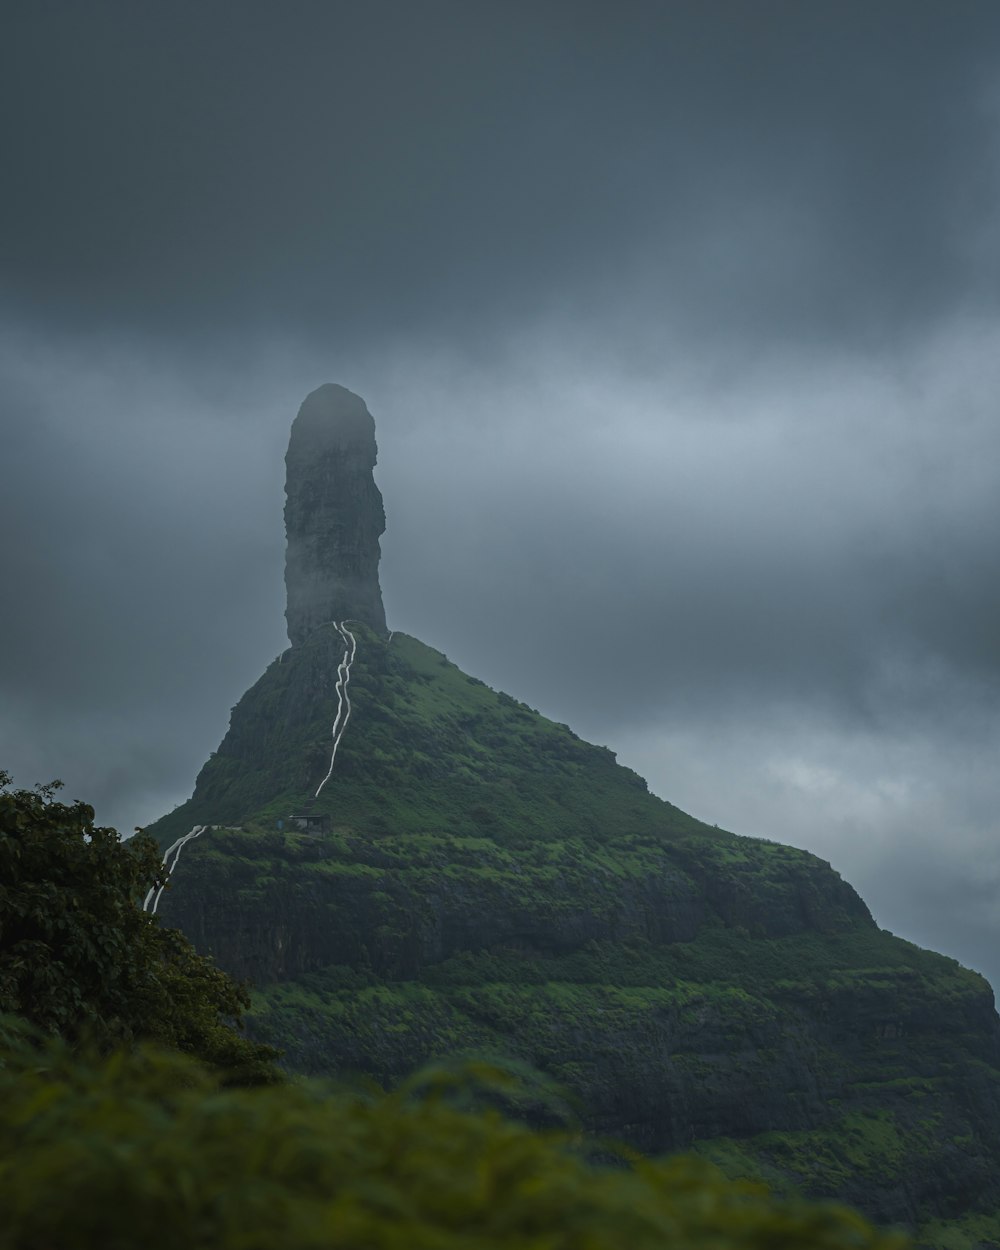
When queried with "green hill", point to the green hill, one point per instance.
{"points": [[479, 880]]}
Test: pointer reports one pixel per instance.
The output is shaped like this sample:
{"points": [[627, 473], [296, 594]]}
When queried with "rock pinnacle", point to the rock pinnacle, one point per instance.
{"points": [[333, 515]]}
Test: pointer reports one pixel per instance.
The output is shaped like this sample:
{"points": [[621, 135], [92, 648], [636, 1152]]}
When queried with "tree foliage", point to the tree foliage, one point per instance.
{"points": [[78, 956], [145, 1149]]}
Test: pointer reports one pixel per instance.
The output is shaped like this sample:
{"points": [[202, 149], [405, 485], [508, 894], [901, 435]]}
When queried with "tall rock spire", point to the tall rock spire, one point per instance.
{"points": [[333, 515]]}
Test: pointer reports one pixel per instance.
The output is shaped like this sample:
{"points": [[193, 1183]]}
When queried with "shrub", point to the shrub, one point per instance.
{"points": [[144, 1149]]}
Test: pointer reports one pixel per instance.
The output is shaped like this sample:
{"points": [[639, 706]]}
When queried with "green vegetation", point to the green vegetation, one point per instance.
{"points": [[824, 1053], [490, 885], [428, 749], [487, 886], [79, 958], [970, 1232], [145, 1149]]}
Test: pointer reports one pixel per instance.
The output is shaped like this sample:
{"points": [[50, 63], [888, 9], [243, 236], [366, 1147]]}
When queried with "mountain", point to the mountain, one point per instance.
{"points": [[409, 865]]}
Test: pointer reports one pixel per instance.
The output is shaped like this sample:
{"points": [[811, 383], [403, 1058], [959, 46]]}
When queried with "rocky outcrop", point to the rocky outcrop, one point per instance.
{"points": [[333, 515]]}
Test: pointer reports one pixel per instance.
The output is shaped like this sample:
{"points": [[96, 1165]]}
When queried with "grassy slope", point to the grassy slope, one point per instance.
{"points": [[427, 749]]}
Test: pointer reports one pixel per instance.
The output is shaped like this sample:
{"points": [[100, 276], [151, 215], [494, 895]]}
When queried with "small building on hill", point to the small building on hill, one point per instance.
{"points": [[308, 823]]}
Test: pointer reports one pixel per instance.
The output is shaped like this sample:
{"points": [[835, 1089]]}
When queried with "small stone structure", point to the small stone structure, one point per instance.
{"points": [[310, 824]]}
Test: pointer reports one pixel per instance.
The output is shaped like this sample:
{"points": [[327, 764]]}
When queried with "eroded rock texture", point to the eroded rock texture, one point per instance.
{"points": [[333, 515]]}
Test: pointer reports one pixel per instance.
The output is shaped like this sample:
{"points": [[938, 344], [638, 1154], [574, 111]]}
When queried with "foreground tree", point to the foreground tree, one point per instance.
{"points": [[78, 956]]}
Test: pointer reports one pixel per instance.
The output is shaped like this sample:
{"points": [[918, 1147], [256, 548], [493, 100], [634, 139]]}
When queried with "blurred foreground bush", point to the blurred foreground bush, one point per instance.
{"points": [[144, 1149]]}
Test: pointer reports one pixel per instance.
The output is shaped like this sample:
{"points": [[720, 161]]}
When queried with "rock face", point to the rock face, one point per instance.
{"points": [[333, 515]]}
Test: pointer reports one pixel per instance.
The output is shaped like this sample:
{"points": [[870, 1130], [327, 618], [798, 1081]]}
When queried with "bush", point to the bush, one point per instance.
{"points": [[144, 1149]]}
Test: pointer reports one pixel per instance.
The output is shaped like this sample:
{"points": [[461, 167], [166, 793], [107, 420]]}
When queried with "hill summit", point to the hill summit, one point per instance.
{"points": [[409, 865]]}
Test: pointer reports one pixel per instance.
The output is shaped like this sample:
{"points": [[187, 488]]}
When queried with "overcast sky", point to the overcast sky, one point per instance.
{"points": [[680, 323]]}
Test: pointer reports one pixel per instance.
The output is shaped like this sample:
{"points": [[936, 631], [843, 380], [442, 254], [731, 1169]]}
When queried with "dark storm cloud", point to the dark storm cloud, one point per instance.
{"points": [[358, 170], [130, 542], [819, 533], [679, 325]]}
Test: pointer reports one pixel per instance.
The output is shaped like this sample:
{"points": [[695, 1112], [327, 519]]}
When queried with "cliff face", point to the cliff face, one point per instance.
{"points": [[333, 515]]}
